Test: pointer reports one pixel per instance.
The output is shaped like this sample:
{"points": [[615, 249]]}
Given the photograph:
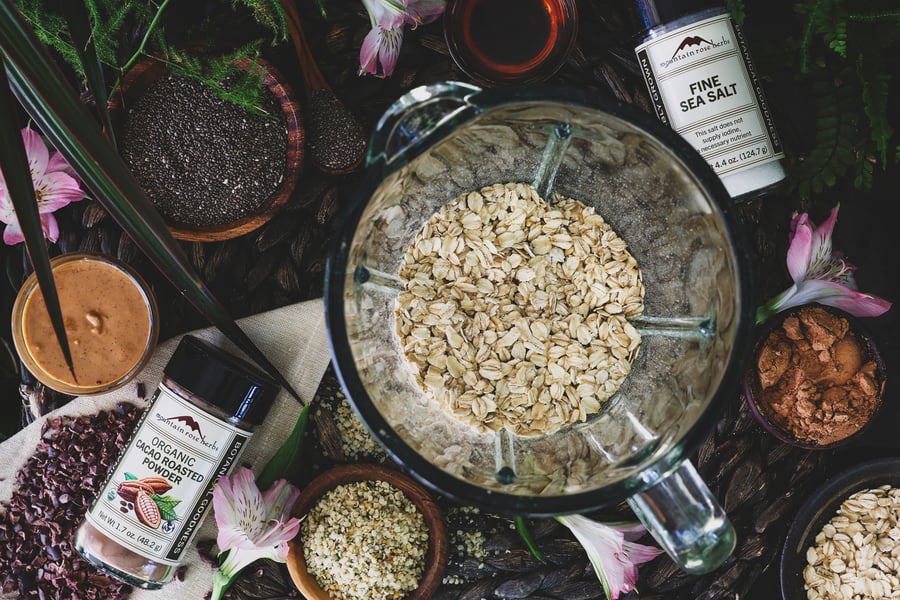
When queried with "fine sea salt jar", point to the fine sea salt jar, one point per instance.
{"points": [[702, 84], [155, 498]]}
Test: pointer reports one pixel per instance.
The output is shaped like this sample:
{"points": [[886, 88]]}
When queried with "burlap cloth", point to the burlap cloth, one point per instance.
{"points": [[293, 338]]}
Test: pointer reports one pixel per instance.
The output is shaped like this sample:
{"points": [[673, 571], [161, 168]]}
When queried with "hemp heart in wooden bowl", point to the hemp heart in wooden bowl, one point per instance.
{"points": [[369, 532], [514, 312]]}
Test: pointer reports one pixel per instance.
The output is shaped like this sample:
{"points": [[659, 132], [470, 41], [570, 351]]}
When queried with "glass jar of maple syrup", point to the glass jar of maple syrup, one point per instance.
{"points": [[510, 41]]}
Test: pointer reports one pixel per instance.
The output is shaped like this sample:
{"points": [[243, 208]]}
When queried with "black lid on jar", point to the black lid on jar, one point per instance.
{"points": [[222, 379], [650, 13]]}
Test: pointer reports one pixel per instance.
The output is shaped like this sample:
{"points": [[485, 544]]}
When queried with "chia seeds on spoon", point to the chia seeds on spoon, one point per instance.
{"points": [[336, 140], [202, 160]]}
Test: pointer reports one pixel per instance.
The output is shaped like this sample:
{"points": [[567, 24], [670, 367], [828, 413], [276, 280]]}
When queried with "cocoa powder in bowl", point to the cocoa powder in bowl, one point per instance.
{"points": [[816, 378]]}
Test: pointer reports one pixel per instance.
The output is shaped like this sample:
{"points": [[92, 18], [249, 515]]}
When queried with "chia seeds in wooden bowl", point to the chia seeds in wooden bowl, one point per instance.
{"points": [[213, 169]]}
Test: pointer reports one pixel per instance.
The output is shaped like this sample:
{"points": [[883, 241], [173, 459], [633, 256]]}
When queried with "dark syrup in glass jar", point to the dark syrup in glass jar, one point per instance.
{"points": [[507, 41]]}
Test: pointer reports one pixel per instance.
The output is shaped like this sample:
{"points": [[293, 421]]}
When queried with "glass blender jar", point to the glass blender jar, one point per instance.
{"points": [[657, 193]]}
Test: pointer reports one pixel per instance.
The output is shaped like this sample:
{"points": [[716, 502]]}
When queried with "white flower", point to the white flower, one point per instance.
{"points": [[612, 551]]}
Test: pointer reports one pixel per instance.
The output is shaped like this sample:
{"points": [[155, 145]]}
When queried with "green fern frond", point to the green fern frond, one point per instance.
{"points": [[837, 39], [865, 175], [876, 83], [232, 84], [887, 15], [52, 30], [815, 18], [837, 138], [270, 14], [736, 8]]}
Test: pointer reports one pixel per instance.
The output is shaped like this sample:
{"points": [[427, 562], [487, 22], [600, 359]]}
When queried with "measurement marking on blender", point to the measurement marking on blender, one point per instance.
{"points": [[375, 278], [676, 327], [554, 152]]}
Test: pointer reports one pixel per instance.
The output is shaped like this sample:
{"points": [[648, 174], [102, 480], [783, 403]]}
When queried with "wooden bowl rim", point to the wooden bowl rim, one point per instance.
{"points": [[150, 70], [438, 545]]}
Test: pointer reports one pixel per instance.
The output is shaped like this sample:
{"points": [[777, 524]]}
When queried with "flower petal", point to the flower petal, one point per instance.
{"points": [[385, 13], [238, 505], [421, 12], [50, 227], [58, 162], [603, 544], [38, 155], [392, 39], [13, 234], [631, 531], [383, 43], [55, 190], [838, 296], [280, 499], [800, 250], [821, 260], [641, 553], [368, 54]]}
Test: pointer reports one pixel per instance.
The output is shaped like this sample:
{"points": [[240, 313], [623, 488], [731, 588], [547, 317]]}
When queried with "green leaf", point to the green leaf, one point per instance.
{"points": [[736, 8], [130, 477], [21, 191], [166, 506], [280, 465], [876, 84], [525, 534], [43, 92], [80, 28]]}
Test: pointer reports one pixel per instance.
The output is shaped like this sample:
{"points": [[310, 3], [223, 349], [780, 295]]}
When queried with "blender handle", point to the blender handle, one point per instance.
{"points": [[686, 520], [417, 118]]}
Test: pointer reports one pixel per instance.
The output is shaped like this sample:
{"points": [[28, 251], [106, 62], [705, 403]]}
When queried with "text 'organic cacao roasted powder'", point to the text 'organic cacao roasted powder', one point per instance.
{"points": [[817, 381], [53, 491]]}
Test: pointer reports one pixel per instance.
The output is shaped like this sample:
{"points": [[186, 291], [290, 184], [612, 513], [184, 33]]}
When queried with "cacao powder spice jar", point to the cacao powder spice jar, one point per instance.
{"points": [[816, 379], [153, 501]]}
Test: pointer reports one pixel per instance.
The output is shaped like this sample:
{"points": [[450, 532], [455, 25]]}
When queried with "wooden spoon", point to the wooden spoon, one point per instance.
{"points": [[334, 138]]}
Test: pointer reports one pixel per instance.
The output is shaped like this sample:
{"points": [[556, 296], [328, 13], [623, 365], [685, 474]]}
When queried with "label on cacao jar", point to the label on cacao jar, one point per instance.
{"points": [[702, 85], [157, 495]]}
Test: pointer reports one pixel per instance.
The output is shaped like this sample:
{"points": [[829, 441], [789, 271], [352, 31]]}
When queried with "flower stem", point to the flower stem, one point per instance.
{"points": [[140, 50], [221, 583]]}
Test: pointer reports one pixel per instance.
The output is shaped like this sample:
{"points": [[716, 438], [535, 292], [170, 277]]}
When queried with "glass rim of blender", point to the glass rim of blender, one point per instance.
{"points": [[494, 500]]}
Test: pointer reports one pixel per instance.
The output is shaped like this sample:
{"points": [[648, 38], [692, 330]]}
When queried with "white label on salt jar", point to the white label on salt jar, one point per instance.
{"points": [[702, 85], [157, 496]]}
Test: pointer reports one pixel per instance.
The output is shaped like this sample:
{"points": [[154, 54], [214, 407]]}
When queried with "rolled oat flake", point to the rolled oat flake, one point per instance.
{"points": [[199, 421]]}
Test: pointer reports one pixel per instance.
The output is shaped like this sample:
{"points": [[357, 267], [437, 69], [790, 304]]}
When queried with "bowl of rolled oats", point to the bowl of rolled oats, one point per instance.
{"points": [[538, 302], [368, 532], [845, 540]]}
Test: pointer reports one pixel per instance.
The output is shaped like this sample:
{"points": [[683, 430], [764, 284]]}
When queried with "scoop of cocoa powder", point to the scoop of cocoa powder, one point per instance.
{"points": [[816, 382]]}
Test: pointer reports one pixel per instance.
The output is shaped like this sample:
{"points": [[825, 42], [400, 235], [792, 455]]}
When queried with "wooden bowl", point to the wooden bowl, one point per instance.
{"points": [[145, 73], [438, 547]]}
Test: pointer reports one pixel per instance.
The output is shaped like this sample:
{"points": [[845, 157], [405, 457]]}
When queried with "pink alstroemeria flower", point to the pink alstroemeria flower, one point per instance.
{"points": [[819, 274], [381, 46], [612, 550], [252, 525], [54, 187]]}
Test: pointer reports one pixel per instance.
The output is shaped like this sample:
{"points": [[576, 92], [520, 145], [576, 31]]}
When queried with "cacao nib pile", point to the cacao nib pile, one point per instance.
{"points": [[53, 491]]}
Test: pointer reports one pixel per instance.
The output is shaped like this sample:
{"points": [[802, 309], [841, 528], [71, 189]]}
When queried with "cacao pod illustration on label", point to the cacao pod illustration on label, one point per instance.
{"points": [[129, 489], [146, 510], [158, 484]]}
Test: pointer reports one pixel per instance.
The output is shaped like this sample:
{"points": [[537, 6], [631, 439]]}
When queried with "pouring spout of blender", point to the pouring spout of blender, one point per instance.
{"points": [[418, 118], [686, 520]]}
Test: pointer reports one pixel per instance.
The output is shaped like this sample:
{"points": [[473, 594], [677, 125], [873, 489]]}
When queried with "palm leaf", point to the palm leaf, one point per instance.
{"points": [[20, 188], [44, 93], [285, 462], [80, 28]]}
